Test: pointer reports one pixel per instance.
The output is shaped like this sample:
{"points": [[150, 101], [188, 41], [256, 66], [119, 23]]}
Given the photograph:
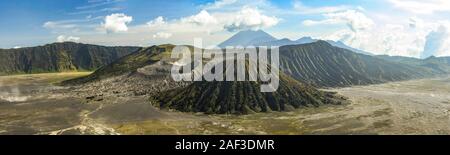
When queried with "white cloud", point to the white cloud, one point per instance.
{"points": [[249, 18], [236, 5], [321, 22], [219, 4], [117, 22], [202, 18], [377, 32], [97, 3], [98, 6], [17, 47], [218, 21], [422, 6], [159, 21], [58, 25], [437, 42], [406, 39], [303, 9], [403, 40], [211, 23], [355, 20], [162, 35], [415, 22], [96, 11], [63, 38], [389, 39], [78, 26], [207, 24]]}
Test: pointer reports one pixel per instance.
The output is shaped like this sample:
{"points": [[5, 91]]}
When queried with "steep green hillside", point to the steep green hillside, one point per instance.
{"points": [[324, 65], [59, 57]]}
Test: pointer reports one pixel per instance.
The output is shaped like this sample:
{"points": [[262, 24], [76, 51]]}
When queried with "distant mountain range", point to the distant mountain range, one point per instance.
{"points": [[318, 63], [439, 64], [261, 38], [334, 64], [59, 57], [248, 38]]}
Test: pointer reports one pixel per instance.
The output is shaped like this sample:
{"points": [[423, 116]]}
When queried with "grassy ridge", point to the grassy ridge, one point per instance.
{"points": [[323, 65], [59, 57]]}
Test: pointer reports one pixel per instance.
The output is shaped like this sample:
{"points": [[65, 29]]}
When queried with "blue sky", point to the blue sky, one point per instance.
{"points": [[415, 28]]}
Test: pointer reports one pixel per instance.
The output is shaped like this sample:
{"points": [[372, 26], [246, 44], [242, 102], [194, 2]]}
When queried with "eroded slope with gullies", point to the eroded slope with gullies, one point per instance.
{"points": [[243, 97], [324, 65]]}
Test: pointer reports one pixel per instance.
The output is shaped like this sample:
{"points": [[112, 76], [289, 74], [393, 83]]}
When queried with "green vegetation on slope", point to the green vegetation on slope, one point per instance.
{"points": [[59, 57]]}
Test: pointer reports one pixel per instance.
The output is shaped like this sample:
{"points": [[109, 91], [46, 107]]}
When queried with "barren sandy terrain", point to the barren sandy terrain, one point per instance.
{"points": [[31, 104]]}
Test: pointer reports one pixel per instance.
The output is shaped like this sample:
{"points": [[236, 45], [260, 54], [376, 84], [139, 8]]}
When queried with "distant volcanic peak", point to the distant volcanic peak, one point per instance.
{"points": [[254, 32], [322, 42], [306, 40], [285, 39], [248, 38], [431, 57], [261, 38], [318, 43]]}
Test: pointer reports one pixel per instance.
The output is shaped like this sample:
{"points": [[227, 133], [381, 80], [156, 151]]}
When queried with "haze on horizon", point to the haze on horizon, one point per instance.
{"points": [[414, 28]]}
